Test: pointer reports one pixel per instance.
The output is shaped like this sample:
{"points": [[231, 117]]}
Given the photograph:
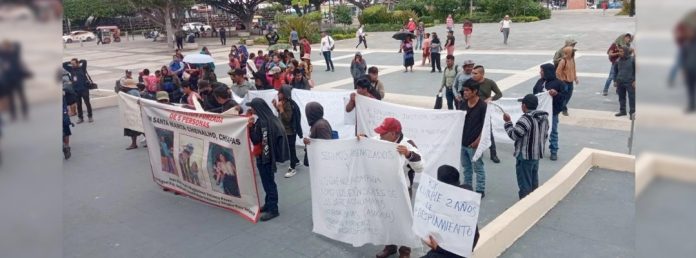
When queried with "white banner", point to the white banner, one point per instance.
{"points": [[447, 213], [130, 112], [334, 106], [266, 95], [359, 192], [494, 120], [437, 133], [203, 155]]}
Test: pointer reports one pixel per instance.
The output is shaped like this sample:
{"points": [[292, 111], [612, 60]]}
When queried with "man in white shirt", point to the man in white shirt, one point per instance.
{"points": [[505, 28], [327, 45]]}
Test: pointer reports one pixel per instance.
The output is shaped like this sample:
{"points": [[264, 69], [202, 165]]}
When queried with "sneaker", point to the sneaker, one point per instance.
{"points": [[554, 156], [565, 112], [79, 121], [620, 114], [495, 159], [605, 93], [291, 172], [266, 216], [66, 152], [91, 120], [483, 194]]}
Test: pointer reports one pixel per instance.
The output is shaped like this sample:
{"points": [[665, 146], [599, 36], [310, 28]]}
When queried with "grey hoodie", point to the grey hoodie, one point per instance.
{"points": [[530, 134]]}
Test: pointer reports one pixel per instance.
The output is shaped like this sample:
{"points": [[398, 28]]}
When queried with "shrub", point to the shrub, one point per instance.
{"points": [[303, 25], [498, 9], [315, 16], [416, 6], [339, 30], [427, 19], [403, 16], [343, 14], [476, 18], [342, 36], [524, 19], [375, 14], [382, 27], [261, 40]]}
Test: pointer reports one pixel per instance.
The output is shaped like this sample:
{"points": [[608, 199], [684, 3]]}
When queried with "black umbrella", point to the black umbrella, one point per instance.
{"points": [[403, 35]]}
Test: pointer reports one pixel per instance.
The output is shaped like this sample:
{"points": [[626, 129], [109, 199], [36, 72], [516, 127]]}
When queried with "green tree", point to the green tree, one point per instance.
{"points": [[244, 10], [419, 7], [343, 14], [80, 10], [361, 4], [165, 13]]}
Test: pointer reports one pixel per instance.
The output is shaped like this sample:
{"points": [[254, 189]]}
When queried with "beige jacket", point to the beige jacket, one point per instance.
{"points": [[566, 67]]}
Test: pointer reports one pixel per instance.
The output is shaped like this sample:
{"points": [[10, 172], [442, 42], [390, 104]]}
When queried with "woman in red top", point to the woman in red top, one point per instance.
{"points": [[468, 28]]}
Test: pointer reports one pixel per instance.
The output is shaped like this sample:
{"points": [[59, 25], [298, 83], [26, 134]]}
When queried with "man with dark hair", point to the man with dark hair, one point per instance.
{"points": [[299, 81], [80, 81], [240, 85], [373, 76], [475, 109], [529, 133], [448, 81], [486, 88], [625, 81], [223, 97], [556, 88]]}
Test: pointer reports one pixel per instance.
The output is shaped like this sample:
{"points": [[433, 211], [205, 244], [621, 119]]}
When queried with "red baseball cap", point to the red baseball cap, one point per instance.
{"points": [[389, 124]]}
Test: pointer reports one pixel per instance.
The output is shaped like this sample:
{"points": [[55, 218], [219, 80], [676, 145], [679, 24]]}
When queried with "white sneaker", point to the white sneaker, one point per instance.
{"points": [[291, 172]]}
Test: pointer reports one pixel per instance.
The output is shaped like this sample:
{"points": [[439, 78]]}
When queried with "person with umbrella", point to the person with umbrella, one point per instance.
{"points": [[406, 47]]}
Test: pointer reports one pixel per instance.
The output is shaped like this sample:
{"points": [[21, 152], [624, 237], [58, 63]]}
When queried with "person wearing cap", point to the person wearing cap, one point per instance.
{"points": [[475, 109], [270, 147], [566, 72], [240, 85], [555, 87], [468, 68], [129, 86], [162, 97], [390, 131], [275, 77], [306, 64], [291, 117], [373, 75], [327, 45], [486, 89], [223, 98], [358, 67], [448, 175], [529, 134], [559, 54], [364, 88], [505, 28]]}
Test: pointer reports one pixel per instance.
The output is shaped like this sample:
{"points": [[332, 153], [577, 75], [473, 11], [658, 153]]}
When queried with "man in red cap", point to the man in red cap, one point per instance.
{"points": [[390, 130]]}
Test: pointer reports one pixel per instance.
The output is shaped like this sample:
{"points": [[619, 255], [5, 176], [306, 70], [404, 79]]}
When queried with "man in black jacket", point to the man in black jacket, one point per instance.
{"points": [[549, 82], [78, 76]]}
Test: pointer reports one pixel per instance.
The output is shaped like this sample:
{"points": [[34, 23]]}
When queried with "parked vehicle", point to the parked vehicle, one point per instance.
{"points": [[79, 35], [110, 34], [196, 25]]}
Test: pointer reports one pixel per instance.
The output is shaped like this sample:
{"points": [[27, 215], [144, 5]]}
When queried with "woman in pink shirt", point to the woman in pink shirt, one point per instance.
{"points": [[468, 28], [426, 49]]}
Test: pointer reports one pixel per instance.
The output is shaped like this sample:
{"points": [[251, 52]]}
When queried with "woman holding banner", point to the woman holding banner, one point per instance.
{"points": [[270, 146]]}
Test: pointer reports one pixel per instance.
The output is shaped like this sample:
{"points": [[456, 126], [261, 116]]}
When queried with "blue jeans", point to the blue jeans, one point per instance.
{"points": [[327, 59], [610, 79], [269, 186], [449, 94], [569, 94], [527, 175], [470, 167], [553, 138], [419, 43]]}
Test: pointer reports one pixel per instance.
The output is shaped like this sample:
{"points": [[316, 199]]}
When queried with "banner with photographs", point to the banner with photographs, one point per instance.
{"points": [[203, 155]]}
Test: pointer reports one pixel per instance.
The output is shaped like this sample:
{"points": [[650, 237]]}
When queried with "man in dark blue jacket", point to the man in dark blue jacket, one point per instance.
{"points": [[549, 82], [78, 76]]}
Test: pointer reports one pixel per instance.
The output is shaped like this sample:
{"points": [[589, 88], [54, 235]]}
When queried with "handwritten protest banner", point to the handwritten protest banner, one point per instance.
{"points": [[437, 133], [334, 106], [203, 155], [359, 192], [130, 112], [447, 213]]}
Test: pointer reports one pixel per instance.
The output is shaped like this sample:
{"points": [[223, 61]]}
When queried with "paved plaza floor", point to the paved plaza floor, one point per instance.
{"points": [[112, 208]]}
